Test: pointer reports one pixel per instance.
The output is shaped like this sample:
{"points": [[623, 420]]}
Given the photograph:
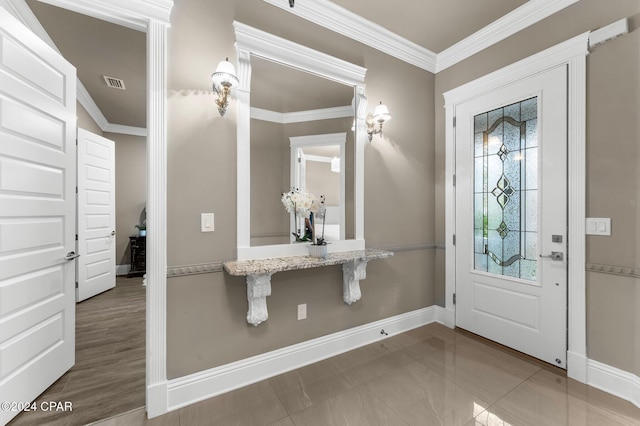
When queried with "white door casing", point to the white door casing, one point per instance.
{"points": [[37, 214], [511, 197], [96, 267], [573, 53], [152, 17]]}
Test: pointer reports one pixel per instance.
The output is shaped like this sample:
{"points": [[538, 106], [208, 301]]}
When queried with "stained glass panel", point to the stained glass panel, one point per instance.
{"points": [[505, 190]]}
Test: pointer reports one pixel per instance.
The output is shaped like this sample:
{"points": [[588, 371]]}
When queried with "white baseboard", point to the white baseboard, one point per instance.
{"points": [[202, 385], [122, 269], [612, 380], [209, 383], [577, 366]]}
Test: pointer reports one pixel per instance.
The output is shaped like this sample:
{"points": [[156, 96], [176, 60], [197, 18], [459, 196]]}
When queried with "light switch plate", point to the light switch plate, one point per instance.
{"points": [[302, 311], [598, 226], [207, 222]]}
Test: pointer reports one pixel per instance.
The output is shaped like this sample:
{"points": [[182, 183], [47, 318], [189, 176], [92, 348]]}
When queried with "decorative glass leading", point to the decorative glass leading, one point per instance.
{"points": [[506, 190]]}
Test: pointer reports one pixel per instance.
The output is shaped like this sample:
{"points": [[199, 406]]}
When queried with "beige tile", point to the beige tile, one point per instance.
{"points": [[547, 398], [379, 366], [422, 397], [139, 418], [252, 405], [301, 388], [477, 371], [356, 407], [283, 422]]}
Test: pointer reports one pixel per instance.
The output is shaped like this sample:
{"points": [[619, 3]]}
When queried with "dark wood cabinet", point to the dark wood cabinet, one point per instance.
{"points": [[138, 248]]}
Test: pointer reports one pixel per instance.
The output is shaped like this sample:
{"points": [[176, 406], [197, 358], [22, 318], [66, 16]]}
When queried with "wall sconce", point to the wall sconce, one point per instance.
{"points": [[224, 79], [380, 115]]}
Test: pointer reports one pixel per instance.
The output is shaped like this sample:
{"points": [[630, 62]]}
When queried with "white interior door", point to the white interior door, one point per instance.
{"points": [[96, 215], [511, 215], [37, 215]]}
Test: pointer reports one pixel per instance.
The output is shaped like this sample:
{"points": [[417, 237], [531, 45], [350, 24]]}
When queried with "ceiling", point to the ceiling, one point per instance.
{"points": [[98, 48]]}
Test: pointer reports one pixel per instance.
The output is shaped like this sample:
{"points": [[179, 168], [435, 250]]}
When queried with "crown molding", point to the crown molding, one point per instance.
{"points": [[340, 20], [132, 14], [22, 12], [337, 19], [526, 15], [301, 116]]}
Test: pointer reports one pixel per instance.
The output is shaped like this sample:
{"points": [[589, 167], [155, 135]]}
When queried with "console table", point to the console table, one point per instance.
{"points": [[138, 248], [258, 273]]}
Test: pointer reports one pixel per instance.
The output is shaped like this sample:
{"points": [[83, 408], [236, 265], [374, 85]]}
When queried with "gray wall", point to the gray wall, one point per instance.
{"points": [[206, 313], [613, 159], [131, 189]]}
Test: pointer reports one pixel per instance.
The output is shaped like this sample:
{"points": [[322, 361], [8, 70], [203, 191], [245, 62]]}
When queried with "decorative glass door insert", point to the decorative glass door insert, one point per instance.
{"points": [[506, 190]]}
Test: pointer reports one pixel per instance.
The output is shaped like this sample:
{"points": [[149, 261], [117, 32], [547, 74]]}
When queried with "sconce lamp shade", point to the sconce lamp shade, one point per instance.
{"points": [[225, 75], [381, 113], [224, 79]]}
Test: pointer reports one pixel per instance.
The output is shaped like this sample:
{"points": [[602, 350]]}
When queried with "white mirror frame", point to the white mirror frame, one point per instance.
{"points": [[339, 139], [250, 41]]}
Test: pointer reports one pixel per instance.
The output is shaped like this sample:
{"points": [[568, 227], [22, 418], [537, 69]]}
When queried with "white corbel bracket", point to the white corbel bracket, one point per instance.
{"points": [[259, 271], [352, 273], [258, 288]]}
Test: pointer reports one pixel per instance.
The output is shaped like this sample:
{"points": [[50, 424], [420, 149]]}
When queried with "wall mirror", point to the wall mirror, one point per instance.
{"points": [[300, 112]]}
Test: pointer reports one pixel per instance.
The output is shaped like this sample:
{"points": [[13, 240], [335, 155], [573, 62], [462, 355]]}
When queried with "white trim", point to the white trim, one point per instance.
{"points": [[125, 130], [85, 99], [337, 19], [156, 276], [301, 116], [209, 383], [251, 41], [524, 16], [571, 53], [614, 381], [132, 14], [340, 20], [24, 13]]}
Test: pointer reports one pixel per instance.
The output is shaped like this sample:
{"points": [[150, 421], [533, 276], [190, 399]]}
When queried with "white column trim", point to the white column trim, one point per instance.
{"points": [[157, 218], [576, 256], [571, 53]]}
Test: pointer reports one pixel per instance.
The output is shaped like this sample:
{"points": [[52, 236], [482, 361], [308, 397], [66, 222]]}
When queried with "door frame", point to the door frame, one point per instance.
{"points": [[153, 18], [571, 53]]}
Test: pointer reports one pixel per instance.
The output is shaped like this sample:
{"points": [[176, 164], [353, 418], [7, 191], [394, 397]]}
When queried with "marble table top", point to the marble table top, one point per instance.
{"points": [[290, 263]]}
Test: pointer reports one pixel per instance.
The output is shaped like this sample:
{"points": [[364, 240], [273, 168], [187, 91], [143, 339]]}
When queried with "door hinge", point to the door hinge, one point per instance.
{"points": [[454, 298], [76, 189], [454, 239], [76, 237], [454, 180], [454, 121], [76, 284]]}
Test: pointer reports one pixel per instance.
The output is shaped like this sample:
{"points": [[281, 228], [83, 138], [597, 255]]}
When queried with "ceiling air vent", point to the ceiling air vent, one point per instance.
{"points": [[114, 83]]}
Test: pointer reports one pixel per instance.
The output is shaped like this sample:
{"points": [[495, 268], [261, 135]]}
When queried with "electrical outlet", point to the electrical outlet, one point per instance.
{"points": [[302, 311]]}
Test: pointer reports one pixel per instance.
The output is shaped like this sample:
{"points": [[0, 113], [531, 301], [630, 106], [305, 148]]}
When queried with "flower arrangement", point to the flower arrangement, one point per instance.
{"points": [[309, 207]]}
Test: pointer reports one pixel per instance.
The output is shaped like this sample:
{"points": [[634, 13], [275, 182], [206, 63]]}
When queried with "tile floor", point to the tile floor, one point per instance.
{"points": [[428, 376]]}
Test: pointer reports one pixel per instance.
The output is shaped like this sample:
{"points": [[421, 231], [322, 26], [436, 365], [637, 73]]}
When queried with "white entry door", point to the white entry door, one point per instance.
{"points": [[37, 215], [511, 215], [96, 215]]}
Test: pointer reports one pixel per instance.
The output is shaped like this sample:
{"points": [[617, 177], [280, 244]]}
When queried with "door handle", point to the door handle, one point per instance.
{"points": [[71, 255], [555, 255]]}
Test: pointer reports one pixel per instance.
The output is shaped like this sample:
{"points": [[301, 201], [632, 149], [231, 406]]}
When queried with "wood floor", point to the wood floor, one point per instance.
{"points": [[109, 375]]}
